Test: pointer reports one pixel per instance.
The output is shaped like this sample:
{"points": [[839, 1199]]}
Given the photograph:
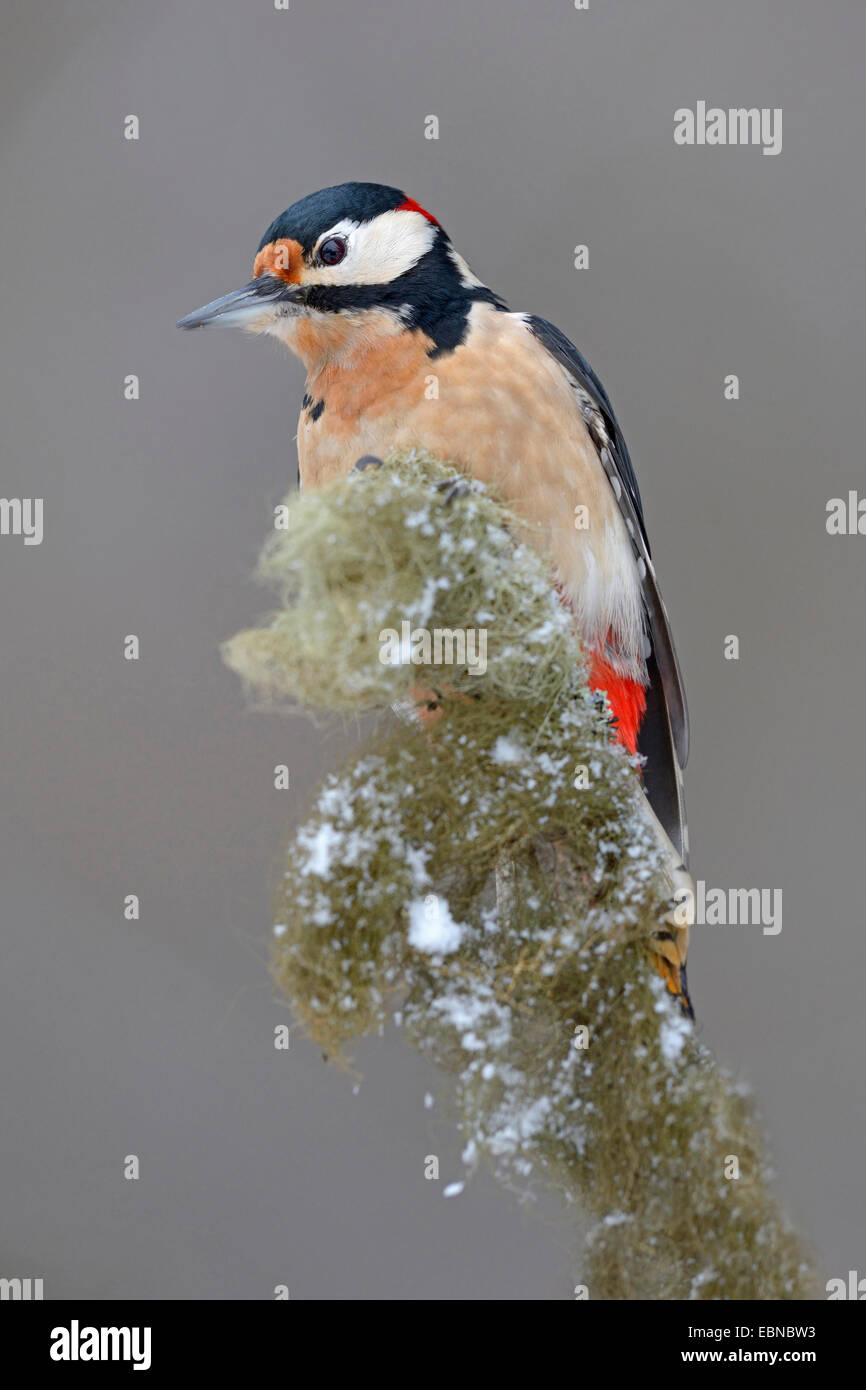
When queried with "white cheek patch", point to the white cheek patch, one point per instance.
{"points": [[379, 251]]}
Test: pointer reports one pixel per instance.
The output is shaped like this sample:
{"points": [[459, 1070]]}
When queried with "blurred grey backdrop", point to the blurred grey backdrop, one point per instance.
{"points": [[556, 128]]}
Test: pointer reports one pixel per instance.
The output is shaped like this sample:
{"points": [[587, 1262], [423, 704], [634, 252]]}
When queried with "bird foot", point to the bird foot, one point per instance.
{"points": [[456, 487], [366, 461], [671, 940]]}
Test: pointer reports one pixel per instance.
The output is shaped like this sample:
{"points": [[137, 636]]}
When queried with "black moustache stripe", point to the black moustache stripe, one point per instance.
{"points": [[429, 296]]}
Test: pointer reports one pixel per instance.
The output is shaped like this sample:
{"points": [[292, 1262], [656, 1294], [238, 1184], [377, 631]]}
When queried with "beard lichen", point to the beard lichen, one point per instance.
{"points": [[493, 873]]}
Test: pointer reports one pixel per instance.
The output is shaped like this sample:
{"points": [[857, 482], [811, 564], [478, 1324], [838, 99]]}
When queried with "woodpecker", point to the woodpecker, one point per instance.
{"points": [[366, 288]]}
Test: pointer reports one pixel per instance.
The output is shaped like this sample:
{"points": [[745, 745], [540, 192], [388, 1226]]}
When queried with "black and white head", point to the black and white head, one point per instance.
{"points": [[342, 259]]}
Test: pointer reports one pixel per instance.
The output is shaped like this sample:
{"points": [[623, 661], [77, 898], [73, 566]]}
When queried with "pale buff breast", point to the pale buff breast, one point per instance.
{"points": [[501, 408]]}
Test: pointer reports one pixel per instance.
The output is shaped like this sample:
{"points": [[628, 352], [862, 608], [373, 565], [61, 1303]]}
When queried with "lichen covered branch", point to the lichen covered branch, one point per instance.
{"points": [[494, 874]]}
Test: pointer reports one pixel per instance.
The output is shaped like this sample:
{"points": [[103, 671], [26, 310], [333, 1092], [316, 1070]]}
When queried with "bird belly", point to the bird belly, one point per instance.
{"points": [[501, 409]]}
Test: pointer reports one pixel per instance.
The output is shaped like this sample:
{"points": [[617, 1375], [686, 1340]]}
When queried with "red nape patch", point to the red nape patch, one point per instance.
{"points": [[411, 206], [627, 699]]}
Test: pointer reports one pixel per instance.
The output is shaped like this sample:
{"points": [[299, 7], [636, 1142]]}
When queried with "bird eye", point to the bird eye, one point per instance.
{"points": [[332, 251]]}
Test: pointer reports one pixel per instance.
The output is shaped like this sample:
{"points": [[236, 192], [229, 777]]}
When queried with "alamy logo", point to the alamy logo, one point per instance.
{"points": [[846, 518], [737, 126], [21, 1290], [22, 516], [732, 907], [444, 646], [76, 1343], [854, 1287]]}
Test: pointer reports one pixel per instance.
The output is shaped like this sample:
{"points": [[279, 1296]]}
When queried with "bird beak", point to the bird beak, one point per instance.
{"points": [[253, 307]]}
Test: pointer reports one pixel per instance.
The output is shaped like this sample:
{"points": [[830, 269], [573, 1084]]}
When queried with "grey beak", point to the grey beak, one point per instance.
{"points": [[243, 306]]}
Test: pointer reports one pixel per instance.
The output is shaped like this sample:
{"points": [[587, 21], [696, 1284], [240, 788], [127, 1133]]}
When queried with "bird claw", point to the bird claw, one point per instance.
{"points": [[457, 487], [366, 461]]}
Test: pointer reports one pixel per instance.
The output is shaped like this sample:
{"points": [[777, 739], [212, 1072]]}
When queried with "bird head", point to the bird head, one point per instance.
{"points": [[347, 262]]}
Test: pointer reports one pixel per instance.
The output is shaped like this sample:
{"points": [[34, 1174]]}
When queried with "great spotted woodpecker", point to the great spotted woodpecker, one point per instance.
{"points": [[366, 288]]}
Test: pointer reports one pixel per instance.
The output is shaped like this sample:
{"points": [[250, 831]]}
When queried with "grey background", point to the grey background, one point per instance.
{"points": [[155, 1037]]}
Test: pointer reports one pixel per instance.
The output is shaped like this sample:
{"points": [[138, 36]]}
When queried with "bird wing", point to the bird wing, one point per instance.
{"points": [[664, 739]]}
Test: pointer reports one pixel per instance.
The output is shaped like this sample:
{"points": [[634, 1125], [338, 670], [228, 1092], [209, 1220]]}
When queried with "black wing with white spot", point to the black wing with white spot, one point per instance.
{"points": [[667, 719]]}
